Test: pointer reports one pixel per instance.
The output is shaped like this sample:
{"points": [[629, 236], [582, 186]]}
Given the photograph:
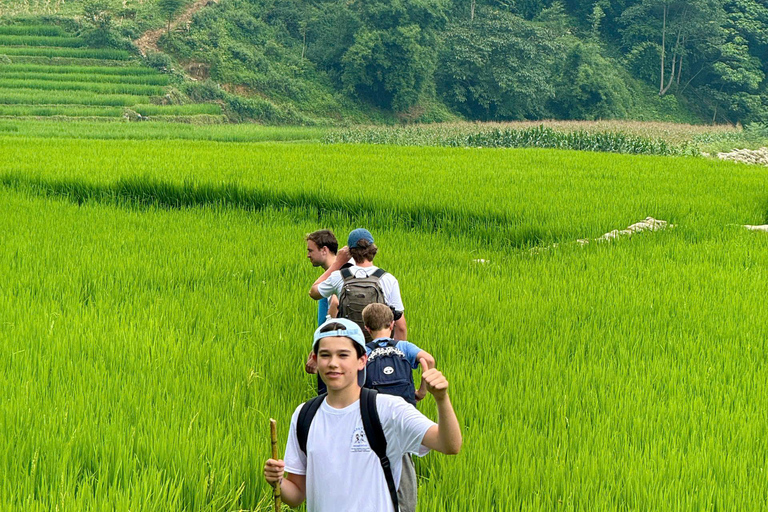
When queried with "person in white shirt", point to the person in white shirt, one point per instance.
{"points": [[361, 249], [339, 471]]}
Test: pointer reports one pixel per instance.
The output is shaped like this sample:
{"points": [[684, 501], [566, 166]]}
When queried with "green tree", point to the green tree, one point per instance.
{"points": [[588, 86], [679, 30], [392, 60], [169, 8], [498, 66], [98, 15]]}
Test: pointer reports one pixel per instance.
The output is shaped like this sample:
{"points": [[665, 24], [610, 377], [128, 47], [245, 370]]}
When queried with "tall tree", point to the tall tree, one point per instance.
{"points": [[169, 8], [679, 30]]}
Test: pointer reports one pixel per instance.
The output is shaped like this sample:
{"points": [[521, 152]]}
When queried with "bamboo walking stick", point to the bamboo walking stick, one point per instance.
{"points": [[273, 437]]}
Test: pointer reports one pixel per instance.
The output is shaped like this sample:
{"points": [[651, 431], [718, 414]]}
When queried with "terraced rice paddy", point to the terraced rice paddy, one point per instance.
{"points": [[51, 73], [155, 315]]}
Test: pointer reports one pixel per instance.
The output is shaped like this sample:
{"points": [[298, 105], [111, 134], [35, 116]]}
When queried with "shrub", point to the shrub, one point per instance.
{"points": [[159, 61]]}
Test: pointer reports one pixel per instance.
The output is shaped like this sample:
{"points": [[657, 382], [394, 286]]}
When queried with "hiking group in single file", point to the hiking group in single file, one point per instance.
{"points": [[350, 448]]}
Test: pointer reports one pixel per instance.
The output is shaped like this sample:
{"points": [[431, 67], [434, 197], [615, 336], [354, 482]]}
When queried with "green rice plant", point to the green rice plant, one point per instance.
{"points": [[59, 110], [129, 71], [542, 208], [159, 130], [145, 79], [87, 53], [34, 40], [32, 30], [41, 97], [67, 61], [196, 120], [106, 88], [177, 110], [171, 320]]}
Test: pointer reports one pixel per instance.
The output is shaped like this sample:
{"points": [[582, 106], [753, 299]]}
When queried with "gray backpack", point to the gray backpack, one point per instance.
{"points": [[358, 292]]}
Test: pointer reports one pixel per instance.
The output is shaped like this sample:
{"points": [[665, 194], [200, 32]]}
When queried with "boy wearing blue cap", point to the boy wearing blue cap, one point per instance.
{"points": [[347, 445], [366, 280]]}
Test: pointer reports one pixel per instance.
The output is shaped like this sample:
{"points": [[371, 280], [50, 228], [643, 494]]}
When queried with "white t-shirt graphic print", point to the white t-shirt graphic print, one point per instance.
{"points": [[343, 473]]}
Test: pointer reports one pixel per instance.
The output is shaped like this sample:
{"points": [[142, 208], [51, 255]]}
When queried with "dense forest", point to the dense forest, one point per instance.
{"points": [[436, 60]]}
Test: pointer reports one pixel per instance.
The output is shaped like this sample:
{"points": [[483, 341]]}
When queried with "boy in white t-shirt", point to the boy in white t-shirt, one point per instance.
{"points": [[361, 249], [339, 471]]}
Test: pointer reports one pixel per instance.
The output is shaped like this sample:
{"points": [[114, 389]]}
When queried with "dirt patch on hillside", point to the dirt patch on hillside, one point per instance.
{"points": [[197, 70], [148, 41]]}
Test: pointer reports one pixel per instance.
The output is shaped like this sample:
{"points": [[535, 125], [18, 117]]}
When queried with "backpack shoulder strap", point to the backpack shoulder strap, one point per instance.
{"points": [[346, 273], [303, 422], [379, 272], [372, 345], [375, 434]]}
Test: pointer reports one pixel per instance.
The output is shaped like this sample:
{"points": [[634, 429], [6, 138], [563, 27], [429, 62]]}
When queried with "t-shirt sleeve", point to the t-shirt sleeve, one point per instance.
{"points": [[295, 459], [331, 286], [394, 299], [411, 351], [408, 425]]}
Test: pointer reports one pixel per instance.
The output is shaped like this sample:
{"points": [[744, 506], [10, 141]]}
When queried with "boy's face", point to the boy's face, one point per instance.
{"points": [[337, 362]]}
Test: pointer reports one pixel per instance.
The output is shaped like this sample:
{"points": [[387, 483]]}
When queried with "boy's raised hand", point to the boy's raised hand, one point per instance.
{"points": [[343, 256], [437, 384], [273, 471]]}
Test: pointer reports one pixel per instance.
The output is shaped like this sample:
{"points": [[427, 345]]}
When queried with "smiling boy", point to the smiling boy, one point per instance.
{"points": [[338, 454]]}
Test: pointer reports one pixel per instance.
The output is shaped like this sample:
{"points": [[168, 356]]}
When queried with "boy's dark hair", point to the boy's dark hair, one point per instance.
{"points": [[324, 238], [365, 251], [377, 316], [359, 349]]}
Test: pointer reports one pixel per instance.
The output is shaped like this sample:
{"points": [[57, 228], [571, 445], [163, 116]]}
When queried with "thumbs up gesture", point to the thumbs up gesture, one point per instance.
{"points": [[435, 381]]}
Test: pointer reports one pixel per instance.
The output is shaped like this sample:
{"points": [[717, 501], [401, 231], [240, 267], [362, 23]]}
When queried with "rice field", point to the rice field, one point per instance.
{"points": [[60, 41], [78, 53], [47, 72], [52, 79], [19, 95], [21, 110], [102, 71], [32, 30], [157, 130], [155, 316]]}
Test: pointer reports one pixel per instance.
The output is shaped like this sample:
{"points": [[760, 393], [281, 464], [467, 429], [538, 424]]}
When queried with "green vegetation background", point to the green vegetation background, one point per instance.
{"points": [[385, 61]]}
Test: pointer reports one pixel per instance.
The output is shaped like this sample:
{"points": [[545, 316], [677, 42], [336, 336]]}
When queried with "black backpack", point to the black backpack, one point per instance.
{"points": [[371, 424], [358, 292], [389, 372]]}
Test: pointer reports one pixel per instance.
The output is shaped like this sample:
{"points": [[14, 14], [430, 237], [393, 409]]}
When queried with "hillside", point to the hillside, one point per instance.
{"points": [[335, 62], [46, 71]]}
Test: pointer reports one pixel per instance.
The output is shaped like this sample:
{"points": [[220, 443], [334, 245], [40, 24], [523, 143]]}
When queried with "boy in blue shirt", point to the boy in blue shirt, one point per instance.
{"points": [[389, 371]]}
